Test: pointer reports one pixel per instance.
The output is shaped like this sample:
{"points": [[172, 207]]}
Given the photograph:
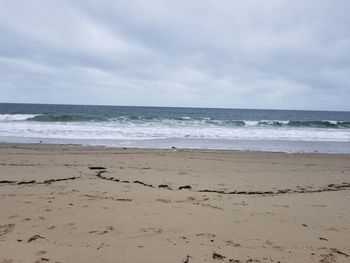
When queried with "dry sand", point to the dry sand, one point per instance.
{"points": [[232, 206]]}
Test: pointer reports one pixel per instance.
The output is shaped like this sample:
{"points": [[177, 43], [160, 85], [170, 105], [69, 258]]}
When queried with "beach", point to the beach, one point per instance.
{"points": [[69, 203]]}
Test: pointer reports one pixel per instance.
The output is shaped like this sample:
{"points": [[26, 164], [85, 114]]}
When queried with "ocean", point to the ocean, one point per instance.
{"points": [[166, 127]]}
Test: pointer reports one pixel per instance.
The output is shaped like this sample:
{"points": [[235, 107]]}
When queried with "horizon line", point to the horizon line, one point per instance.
{"points": [[183, 107]]}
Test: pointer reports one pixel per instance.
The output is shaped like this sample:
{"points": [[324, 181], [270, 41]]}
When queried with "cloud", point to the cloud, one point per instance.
{"points": [[239, 54]]}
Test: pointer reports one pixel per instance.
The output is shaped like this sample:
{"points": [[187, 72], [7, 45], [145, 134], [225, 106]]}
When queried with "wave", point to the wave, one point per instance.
{"points": [[16, 117], [66, 118], [306, 124], [320, 124], [175, 121]]}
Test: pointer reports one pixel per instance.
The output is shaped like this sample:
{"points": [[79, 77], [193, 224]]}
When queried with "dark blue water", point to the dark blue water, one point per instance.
{"points": [[172, 113], [284, 130]]}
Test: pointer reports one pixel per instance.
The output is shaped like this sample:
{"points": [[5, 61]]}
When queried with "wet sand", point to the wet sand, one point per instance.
{"points": [[94, 204]]}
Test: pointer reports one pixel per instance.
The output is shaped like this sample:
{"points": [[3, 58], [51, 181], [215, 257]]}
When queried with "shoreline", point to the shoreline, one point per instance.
{"points": [[172, 148], [70, 203]]}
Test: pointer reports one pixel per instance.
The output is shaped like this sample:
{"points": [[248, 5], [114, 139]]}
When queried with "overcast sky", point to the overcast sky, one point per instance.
{"points": [[275, 54]]}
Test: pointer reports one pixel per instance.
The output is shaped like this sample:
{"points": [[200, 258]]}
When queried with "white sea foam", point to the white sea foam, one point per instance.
{"points": [[251, 123], [16, 117], [165, 130]]}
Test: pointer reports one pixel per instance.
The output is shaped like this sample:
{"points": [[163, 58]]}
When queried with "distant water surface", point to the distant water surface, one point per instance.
{"points": [[160, 127]]}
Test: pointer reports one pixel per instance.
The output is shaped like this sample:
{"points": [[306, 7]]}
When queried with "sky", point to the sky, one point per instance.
{"points": [[270, 54]]}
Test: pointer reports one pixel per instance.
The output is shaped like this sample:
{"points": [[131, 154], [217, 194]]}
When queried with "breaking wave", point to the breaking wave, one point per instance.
{"points": [[16, 117], [182, 121], [66, 118]]}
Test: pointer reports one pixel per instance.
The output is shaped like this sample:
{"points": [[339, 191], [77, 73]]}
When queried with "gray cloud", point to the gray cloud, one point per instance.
{"points": [[240, 54]]}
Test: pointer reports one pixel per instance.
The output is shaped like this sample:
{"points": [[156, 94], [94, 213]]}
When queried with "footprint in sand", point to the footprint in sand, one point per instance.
{"points": [[185, 239], [328, 258], [6, 229], [103, 245], [231, 243], [72, 226], [163, 200], [208, 235], [151, 231], [108, 228]]}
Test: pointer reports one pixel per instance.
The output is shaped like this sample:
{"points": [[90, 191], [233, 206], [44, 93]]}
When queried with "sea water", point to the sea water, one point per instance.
{"points": [[165, 127]]}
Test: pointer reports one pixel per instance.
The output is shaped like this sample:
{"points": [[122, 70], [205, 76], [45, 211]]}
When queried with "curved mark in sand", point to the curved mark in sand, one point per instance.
{"points": [[299, 190]]}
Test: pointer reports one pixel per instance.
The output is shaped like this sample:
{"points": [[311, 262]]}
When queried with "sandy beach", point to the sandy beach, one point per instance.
{"points": [[94, 204]]}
